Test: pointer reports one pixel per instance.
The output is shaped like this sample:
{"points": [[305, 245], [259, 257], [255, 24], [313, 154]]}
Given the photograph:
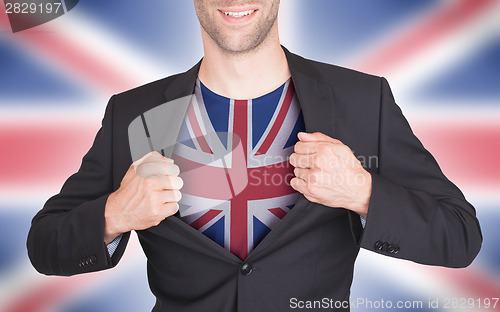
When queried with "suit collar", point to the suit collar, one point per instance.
{"points": [[315, 96], [183, 84]]}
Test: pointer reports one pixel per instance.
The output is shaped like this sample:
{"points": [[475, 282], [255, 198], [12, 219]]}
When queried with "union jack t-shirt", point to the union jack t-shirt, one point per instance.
{"points": [[233, 156]]}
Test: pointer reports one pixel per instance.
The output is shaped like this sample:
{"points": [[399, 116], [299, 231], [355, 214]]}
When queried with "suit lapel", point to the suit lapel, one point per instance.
{"points": [[157, 128], [183, 84], [315, 98]]}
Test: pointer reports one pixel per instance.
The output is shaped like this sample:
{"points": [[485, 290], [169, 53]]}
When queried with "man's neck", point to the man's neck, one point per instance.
{"points": [[244, 76]]}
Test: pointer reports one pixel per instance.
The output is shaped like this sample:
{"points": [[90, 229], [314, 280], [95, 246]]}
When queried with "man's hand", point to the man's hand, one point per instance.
{"points": [[148, 193], [327, 172]]}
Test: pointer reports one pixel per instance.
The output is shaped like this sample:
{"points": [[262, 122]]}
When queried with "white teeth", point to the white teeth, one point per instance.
{"points": [[239, 14]]}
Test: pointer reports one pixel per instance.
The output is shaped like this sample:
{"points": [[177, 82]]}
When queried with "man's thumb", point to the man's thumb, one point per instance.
{"points": [[316, 137]]}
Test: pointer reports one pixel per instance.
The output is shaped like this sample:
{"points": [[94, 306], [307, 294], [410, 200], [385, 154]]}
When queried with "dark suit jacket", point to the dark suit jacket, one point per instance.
{"points": [[415, 212]]}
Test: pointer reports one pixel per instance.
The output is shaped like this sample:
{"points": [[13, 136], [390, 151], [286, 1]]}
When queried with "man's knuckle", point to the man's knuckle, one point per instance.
{"points": [[173, 169], [172, 208], [296, 172], [177, 183], [299, 146], [177, 195]]}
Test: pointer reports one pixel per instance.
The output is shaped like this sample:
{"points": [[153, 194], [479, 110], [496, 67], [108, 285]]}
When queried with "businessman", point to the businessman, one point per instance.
{"points": [[250, 113]]}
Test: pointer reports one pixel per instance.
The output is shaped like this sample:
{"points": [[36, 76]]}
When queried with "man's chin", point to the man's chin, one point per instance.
{"points": [[240, 46]]}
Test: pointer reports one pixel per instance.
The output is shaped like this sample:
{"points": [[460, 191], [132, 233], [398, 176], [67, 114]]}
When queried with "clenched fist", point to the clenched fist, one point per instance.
{"points": [[327, 172], [148, 193]]}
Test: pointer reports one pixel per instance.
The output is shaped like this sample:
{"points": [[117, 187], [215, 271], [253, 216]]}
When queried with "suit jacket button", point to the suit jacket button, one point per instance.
{"points": [[246, 269], [390, 249], [378, 245], [384, 247], [93, 260], [396, 249]]}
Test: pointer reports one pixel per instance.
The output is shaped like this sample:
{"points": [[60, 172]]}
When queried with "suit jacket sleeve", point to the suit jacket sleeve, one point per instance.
{"points": [[414, 208], [67, 236]]}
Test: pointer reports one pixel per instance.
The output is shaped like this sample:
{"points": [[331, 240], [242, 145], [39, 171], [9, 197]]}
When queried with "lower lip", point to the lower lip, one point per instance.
{"points": [[237, 20]]}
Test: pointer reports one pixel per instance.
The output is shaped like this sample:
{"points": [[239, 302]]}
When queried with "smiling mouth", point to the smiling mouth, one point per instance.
{"points": [[239, 14]]}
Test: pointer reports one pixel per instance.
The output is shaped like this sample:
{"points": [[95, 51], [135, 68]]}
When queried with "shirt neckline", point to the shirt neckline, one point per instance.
{"points": [[210, 93]]}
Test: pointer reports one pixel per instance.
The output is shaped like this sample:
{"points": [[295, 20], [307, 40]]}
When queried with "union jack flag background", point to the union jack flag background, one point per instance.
{"points": [[441, 57]]}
